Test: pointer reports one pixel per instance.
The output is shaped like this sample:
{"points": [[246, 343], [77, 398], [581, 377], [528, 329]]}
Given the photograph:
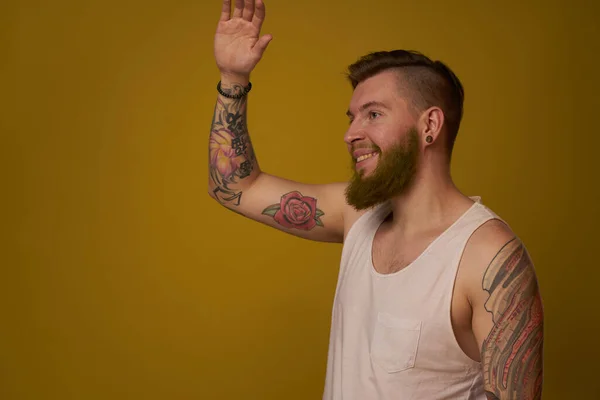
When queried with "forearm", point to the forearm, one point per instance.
{"points": [[232, 162]]}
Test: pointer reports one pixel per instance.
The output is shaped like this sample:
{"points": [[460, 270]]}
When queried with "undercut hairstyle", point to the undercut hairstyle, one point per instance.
{"points": [[431, 83]]}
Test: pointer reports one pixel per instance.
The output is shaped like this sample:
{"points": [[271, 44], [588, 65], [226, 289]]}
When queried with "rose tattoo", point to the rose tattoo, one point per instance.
{"points": [[296, 211]]}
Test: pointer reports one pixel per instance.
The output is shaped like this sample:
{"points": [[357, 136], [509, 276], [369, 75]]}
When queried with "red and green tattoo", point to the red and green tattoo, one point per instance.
{"points": [[512, 352], [296, 211]]}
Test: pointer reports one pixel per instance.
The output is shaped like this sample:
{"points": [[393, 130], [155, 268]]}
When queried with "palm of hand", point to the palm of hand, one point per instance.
{"points": [[238, 45], [234, 45]]}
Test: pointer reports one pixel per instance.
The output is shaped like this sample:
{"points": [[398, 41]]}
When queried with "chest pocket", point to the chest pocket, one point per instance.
{"points": [[395, 342]]}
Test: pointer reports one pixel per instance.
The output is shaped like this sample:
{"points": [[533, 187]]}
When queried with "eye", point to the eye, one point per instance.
{"points": [[374, 114]]}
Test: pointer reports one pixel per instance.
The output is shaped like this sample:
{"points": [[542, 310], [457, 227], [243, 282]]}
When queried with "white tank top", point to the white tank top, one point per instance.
{"points": [[391, 335]]}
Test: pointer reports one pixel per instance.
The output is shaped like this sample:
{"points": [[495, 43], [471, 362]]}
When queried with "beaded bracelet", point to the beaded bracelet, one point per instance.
{"points": [[244, 92]]}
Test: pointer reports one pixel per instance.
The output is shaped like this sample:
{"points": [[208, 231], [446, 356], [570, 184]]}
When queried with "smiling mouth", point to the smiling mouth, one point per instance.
{"points": [[365, 156]]}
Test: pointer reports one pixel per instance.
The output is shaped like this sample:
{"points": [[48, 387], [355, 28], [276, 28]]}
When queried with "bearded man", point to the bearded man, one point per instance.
{"points": [[437, 298]]}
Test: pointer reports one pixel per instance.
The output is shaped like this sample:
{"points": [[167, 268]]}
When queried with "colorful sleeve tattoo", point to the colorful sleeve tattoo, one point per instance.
{"points": [[512, 352], [231, 156]]}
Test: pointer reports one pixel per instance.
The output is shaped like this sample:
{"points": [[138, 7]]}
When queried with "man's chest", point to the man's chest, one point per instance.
{"points": [[419, 281], [391, 254]]}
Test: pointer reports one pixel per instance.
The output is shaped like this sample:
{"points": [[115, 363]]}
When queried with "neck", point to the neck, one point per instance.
{"points": [[431, 202]]}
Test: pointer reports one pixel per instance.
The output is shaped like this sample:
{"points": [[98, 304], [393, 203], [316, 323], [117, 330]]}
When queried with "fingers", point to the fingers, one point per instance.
{"points": [[226, 10], [259, 14], [239, 8], [248, 10]]}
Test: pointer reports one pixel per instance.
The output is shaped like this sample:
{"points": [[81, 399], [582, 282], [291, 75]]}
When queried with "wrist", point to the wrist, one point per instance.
{"points": [[230, 80], [234, 91]]}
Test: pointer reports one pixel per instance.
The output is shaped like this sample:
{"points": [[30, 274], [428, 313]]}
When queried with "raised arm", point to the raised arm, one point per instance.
{"points": [[235, 179], [508, 318]]}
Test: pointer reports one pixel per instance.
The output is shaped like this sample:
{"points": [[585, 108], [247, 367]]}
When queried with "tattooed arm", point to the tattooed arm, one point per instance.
{"points": [[232, 163], [235, 179], [313, 212], [507, 314]]}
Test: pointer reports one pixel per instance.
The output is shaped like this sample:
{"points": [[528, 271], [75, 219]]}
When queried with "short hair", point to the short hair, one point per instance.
{"points": [[431, 83]]}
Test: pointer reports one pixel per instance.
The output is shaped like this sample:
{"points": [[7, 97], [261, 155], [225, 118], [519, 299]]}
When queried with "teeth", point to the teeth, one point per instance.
{"points": [[365, 156]]}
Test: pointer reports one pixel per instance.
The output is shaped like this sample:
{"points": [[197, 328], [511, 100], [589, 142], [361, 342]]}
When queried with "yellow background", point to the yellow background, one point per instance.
{"points": [[121, 279]]}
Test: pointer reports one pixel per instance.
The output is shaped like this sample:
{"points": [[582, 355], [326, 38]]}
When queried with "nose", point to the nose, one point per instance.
{"points": [[353, 134]]}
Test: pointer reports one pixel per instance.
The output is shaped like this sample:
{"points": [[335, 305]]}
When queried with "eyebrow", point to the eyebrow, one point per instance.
{"points": [[367, 105]]}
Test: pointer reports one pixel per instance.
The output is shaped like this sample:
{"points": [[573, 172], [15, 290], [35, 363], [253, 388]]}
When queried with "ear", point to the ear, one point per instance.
{"points": [[431, 124]]}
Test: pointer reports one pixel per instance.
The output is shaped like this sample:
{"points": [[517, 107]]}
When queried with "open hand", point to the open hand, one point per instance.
{"points": [[238, 45]]}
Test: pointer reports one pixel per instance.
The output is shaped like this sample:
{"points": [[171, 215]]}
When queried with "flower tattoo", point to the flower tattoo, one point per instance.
{"points": [[296, 211], [230, 150]]}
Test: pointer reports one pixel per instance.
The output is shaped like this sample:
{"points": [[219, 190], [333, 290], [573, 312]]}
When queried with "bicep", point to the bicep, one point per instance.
{"points": [[508, 325], [314, 212]]}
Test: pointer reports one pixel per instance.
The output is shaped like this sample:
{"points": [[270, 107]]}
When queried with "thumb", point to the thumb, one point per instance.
{"points": [[262, 44]]}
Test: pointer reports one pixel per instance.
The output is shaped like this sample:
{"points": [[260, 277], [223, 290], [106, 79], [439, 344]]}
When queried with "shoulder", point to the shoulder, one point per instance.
{"points": [[487, 241], [493, 251]]}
